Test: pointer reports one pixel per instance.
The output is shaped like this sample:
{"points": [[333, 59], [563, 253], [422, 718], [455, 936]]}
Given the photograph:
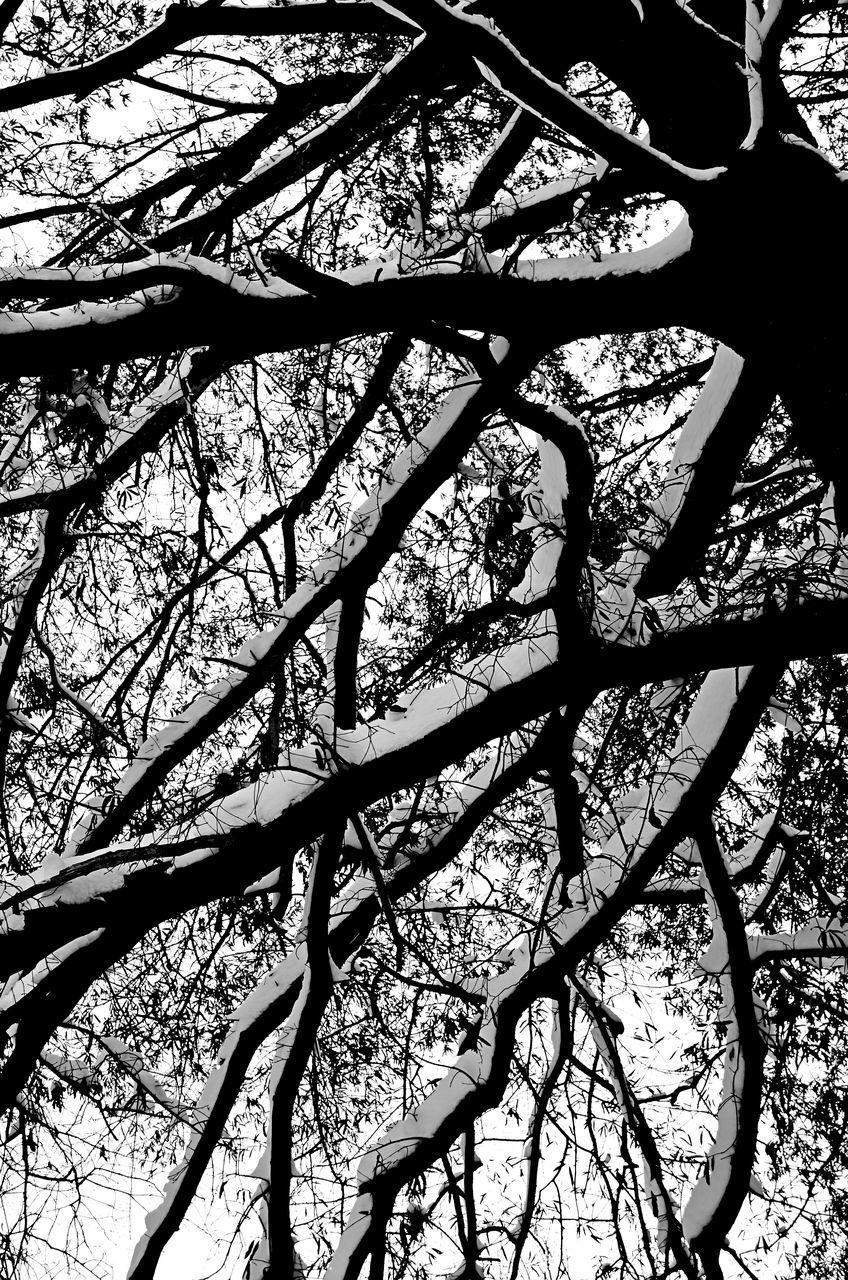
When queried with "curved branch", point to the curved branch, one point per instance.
{"points": [[546, 303], [715, 1202], [708, 749]]}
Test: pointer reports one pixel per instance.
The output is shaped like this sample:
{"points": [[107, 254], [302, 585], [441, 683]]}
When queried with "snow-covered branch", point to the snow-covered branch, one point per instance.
{"points": [[704, 756], [714, 1203], [521, 81]]}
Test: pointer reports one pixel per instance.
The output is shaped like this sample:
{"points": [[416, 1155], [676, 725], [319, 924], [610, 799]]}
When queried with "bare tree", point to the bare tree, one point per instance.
{"points": [[424, 596]]}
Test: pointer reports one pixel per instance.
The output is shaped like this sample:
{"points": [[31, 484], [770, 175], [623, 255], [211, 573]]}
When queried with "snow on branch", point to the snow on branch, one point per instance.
{"points": [[824, 940], [436, 783], [351, 917], [535, 92], [697, 487], [601, 894], [715, 1201]]}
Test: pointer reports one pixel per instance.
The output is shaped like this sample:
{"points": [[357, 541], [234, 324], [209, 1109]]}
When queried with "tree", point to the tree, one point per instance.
{"points": [[424, 603]]}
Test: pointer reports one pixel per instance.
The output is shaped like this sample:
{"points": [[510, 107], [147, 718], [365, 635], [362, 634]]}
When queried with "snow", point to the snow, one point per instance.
{"points": [[720, 384], [265, 885], [468, 1076], [543, 502], [277, 988], [133, 1063], [16, 435], [471, 685], [637, 261], [619, 614], [356, 1229], [632, 833], [10, 614], [799, 467], [81, 313], [606, 1056], [20, 986], [587, 125], [262, 1172], [429, 710], [823, 939], [708, 1193], [705, 415], [189, 267], [76, 1071], [737, 862], [755, 30], [510, 126], [667, 694]]}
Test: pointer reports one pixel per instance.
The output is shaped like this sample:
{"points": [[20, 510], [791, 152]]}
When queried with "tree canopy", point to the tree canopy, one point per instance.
{"points": [[424, 600]]}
